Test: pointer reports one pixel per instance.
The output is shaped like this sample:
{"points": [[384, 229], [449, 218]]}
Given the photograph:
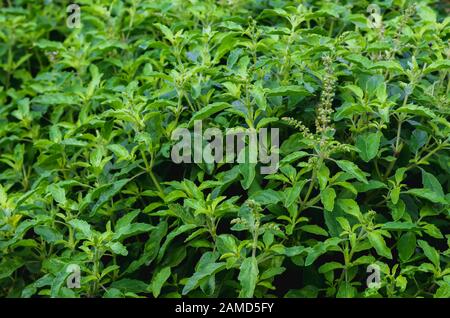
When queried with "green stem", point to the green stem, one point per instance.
{"points": [[397, 144], [155, 181], [311, 186], [255, 242], [313, 180], [96, 260], [448, 84], [330, 34], [432, 152], [149, 168], [397, 141]]}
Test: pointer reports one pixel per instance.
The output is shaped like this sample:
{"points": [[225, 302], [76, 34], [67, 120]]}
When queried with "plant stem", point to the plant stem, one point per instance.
{"points": [[149, 169], [397, 144], [432, 152]]}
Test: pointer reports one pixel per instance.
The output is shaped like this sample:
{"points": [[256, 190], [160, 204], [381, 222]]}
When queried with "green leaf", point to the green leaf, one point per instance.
{"points": [[292, 194], [388, 65], [292, 90], [180, 230], [9, 266], [226, 243], [208, 111], [443, 291], [432, 183], [364, 260], [248, 277], [106, 195], [355, 90], [398, 210], [371, 185], [166, 31], [416, 110], [131, 230], [351, 207], [126, 219], [248, 173], [118, 248], [128, 285], [352, 169], [3, 196], [346, 290], [360, 60], [260, 99], [308, 291], [58, 283], [399, 226], [327, 197], [266, 121], [294, 156], [430, 252], [272, 272], [377, 242], [314, 229], [438, 65], [330, 267], [159, 279], [418, 140], [292, 251], [83, 227], [406, 246], [395, 194], [426, 13], [433, 230], [205, 271], [120, 151], [427, 194], [49, 234], [368, 145], [58, 193], [56, 99], [265, 197], [151, 247], [96, 77], [320, 249], [323, 174]]}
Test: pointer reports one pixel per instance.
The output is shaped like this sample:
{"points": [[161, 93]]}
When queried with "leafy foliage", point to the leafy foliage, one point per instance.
{"points": [[362, 103]]}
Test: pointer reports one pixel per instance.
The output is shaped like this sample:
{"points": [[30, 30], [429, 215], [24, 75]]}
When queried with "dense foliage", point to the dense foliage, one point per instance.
{"points": [[361, 99]]}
